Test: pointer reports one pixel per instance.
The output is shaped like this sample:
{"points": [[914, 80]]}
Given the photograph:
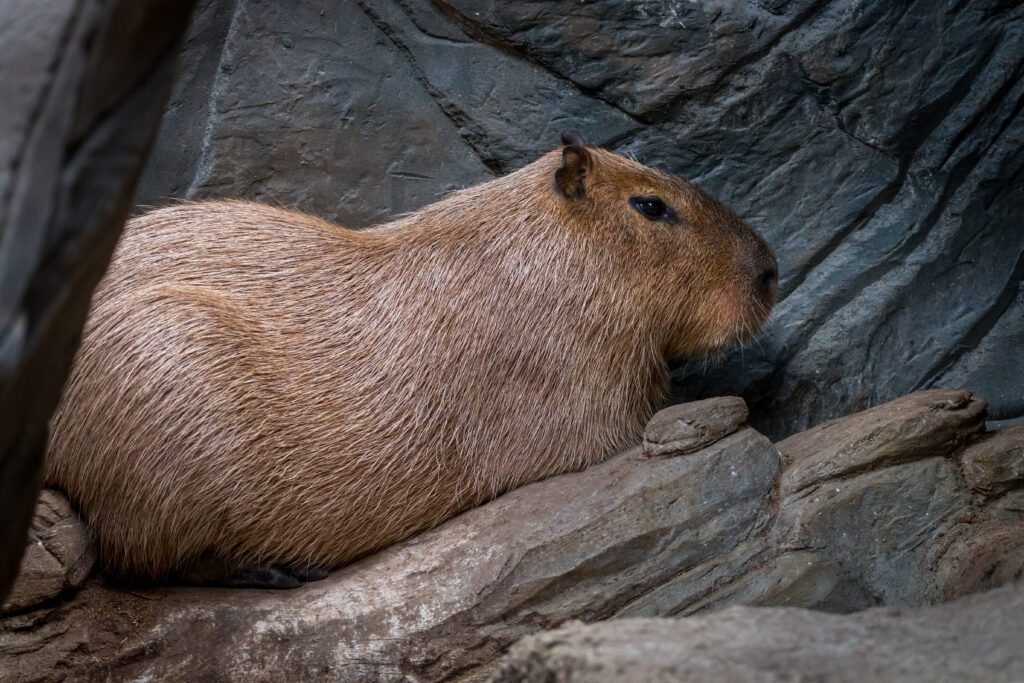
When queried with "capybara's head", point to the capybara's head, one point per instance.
{"points": [[706, 276]]}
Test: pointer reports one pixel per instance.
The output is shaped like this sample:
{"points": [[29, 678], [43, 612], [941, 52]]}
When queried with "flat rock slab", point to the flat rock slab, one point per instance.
{"points": [[909, 428], [974, 639]]}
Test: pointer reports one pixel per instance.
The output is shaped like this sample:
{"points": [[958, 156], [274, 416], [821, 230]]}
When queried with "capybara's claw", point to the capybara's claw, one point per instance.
{"points": [[305, 574], [212, 572]]}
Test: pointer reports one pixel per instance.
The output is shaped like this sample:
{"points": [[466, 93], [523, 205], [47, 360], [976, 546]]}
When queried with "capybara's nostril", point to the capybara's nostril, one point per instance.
{"points": [[768, 279]]}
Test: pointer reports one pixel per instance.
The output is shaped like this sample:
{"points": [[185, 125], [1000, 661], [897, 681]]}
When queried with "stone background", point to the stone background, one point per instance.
{"points": [[83, 84], [879, 147]]}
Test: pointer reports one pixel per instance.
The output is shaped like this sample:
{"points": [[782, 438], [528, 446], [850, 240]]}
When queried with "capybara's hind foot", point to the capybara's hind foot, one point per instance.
{"points": [[274, 576], [218, 573]]}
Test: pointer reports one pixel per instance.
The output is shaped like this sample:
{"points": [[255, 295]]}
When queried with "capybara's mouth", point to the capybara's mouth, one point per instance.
{"points": [[743, 333]]}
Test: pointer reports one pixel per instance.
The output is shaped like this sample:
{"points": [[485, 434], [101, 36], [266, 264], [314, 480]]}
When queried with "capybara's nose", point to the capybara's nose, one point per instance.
{"points": [[768, 280]]}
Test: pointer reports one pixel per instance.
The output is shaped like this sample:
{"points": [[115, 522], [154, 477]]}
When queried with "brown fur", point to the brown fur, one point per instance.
{"points": [[264, 386]]}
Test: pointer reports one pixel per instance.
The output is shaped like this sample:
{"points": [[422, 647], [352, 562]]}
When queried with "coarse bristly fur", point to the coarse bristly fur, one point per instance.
{"points": [[263, 386]]}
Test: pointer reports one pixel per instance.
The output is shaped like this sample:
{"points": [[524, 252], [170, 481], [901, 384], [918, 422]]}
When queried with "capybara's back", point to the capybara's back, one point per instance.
{"points": [[257, 387]]}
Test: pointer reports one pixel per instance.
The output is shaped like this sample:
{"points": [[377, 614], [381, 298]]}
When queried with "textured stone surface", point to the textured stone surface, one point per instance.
{"points": [[975, 639], [909, 428], [688, 427], [58, 557], [637, 536], [83, 84], [878, 146], [880, 490], [996, 464]]}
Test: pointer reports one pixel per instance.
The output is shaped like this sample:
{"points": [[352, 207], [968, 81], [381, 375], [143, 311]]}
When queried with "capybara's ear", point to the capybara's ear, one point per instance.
{"points": [[571, 177], [573, 137]]}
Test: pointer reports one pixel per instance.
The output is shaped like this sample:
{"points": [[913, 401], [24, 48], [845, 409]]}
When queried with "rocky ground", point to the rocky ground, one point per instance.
{"points": [[910, 504]]}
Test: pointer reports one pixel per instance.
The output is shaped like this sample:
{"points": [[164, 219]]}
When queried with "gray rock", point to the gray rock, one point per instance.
{"points": [[875, 514], [882, 491], [881, 527], [974, 639], [802, 578], [58, 557], [910, 428], [688, 427], [980, 553], [83, 85], [877, 147], [996, 464]]}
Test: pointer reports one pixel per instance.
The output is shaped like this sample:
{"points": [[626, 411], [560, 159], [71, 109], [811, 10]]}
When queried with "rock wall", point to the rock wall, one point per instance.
{"points": [[82, 86], [878, 146]]}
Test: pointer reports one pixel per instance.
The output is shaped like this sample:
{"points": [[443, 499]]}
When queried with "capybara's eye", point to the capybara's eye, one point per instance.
{"points": [[652, 207]]}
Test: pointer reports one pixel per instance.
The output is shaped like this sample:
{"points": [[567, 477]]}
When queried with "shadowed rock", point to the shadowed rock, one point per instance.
{"points": [[82, 87]]}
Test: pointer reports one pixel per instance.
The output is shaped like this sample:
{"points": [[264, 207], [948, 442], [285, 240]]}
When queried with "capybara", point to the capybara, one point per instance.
{"points": [[261, 395]]}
